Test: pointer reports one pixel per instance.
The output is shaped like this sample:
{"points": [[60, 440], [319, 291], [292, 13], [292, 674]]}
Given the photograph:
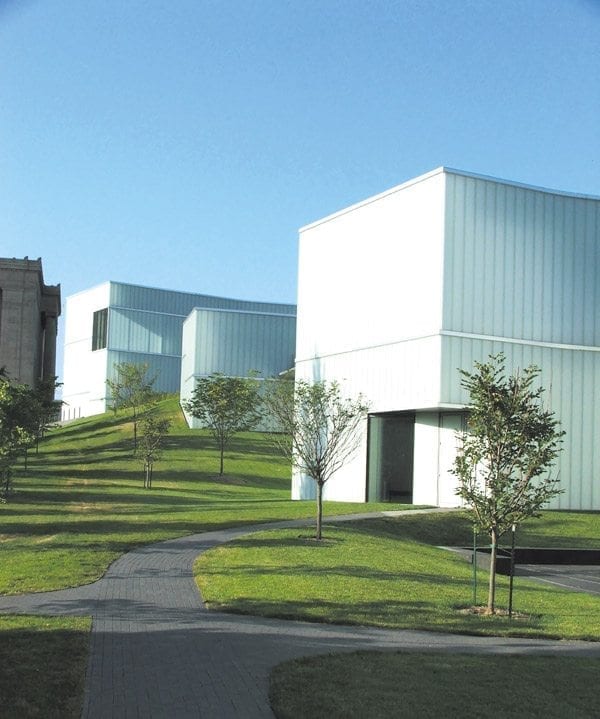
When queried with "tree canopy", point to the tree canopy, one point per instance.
{"points": [[226, 405], [132, 389], [505, 456], [20, 410]]}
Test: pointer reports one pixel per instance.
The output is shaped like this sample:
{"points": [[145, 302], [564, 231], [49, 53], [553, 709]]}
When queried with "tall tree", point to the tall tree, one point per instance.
{"points": [[505, 456], [226, 405], [319, 429], [132, 389]]}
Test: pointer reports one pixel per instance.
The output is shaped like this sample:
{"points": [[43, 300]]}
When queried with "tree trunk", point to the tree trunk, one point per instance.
{"points": [[222, 453], [6, 483], [490, 609], [319, 509]]}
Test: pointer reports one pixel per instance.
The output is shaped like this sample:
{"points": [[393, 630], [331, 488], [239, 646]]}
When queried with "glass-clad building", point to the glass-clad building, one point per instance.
{"points": [[117, 322], [399, 292]]}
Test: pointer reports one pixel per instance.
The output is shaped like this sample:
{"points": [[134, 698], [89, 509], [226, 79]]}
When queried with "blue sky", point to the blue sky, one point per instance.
{"points": [[181, 144]]}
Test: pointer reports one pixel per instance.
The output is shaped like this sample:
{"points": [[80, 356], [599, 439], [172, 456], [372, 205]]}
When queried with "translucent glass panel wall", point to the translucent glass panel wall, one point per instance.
{"points": [[182, 303], [166, 369], [235, 343], [150, 332]]}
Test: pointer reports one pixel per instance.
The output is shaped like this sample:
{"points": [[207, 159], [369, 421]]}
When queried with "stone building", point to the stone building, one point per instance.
{"points": [[29, 312]]}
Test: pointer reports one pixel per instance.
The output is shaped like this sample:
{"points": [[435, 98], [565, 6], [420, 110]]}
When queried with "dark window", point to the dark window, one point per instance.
{"points": [[99, 331]]}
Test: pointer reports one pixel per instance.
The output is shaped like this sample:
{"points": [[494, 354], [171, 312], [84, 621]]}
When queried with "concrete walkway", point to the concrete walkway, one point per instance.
{"points": [[157, 653]]}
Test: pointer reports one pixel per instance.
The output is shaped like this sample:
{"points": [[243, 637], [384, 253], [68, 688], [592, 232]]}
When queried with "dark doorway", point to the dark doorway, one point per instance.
{"points": [[390, 458]]}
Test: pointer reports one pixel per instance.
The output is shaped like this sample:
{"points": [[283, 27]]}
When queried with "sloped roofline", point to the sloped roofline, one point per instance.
{"points": [[448, 171]]}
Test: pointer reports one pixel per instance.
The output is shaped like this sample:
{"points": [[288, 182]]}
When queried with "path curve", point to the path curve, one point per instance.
{"points": [[157, 653]]}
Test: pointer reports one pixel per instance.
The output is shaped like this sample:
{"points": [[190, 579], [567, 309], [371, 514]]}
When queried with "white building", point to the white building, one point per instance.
{"points": [[398, 292], [117, 322]]}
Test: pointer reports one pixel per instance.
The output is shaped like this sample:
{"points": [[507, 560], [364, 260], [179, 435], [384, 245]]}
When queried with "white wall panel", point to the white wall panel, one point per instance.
{"points": [[84, 371], [395, 377], [372, 274], [425, 461]]}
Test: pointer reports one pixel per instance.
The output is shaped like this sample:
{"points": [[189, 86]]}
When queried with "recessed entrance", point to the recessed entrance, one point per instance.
{"points": [[390, 457]]}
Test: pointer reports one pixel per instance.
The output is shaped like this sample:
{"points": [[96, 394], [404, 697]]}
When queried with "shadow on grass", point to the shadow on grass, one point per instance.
{"points": [[437, 529], [42, 672], [408, 614]]}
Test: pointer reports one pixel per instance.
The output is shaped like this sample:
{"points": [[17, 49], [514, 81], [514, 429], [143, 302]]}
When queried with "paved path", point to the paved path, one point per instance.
{"points": [[576, 577], [157, 653]]}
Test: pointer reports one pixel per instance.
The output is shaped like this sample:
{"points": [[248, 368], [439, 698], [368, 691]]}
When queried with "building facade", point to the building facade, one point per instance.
{"points": [[29, 312], [398, 292], [117, 322]]}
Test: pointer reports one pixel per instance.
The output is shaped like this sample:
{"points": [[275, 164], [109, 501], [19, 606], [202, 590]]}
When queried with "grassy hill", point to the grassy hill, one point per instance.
{"points": [[81, 503]]}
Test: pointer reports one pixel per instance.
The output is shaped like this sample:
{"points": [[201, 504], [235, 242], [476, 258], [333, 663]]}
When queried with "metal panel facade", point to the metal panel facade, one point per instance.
{"points": [[520, 262]]}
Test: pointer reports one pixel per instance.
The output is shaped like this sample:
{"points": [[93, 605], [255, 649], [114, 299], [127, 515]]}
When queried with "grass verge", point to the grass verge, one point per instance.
{"points": [[43, 662], [370, 685], [390, 573]]}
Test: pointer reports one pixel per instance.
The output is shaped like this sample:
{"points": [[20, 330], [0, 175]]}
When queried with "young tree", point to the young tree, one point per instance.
{"points": [[153, 430], [132, 390], [505, 456], [48, 407], [18, 424], [226, 405], [319, 428]]}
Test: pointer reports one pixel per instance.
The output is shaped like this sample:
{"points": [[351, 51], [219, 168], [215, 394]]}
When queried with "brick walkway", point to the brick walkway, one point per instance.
{"points": [[157, 653]]}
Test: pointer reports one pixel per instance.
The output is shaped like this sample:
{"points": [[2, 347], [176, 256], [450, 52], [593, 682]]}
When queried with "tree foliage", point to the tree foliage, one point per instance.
{"points": [[19, 421], [49, 407], [153, 430], [319, 428], [132, 390], [504, 459], [226, 405]]}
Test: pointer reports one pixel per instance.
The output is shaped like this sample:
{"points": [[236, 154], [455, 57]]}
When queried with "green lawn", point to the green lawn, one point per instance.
{"points": [[81, 502], [369, 685], [43, 662], [391, 573]]}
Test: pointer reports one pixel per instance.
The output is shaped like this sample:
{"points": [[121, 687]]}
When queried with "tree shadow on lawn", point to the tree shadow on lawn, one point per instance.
{"points": [[398, 614], [122, 450], [342, 570], [97, 497], [175, 527], [437, 529]]}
